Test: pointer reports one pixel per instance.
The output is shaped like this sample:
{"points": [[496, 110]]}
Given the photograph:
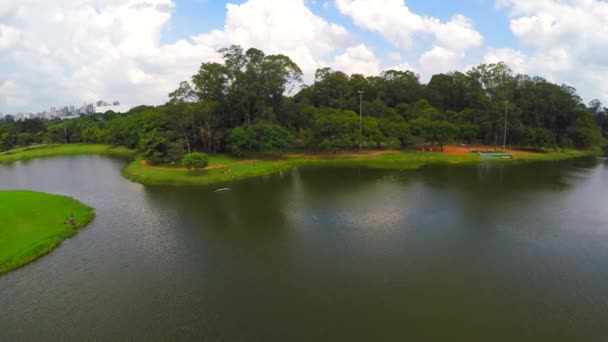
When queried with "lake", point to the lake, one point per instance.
{"points": [[493, 252]]}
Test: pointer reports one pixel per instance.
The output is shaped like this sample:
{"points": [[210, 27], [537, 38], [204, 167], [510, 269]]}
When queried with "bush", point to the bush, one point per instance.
{"points": [[195, 161]]}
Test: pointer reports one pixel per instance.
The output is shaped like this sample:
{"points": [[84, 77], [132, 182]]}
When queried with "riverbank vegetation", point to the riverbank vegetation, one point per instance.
{"points": [[255, 104], [53, 150], [35, 223], [224, 169]]}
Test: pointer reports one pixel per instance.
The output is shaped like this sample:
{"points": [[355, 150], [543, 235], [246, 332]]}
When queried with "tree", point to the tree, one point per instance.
{"points": [[396, 128], [154, 148], [443, 132], [175, 151], [272, 138], [195, 161], [585, 132], [6, 142], [240, 139]]}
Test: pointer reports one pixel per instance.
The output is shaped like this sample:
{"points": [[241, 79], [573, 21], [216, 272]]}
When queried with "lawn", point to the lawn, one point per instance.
{"points": [[234, 170], [33, 223], [42, 151]]}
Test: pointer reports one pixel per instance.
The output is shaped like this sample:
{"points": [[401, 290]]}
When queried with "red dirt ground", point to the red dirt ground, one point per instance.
{"points": [[456, 150]]}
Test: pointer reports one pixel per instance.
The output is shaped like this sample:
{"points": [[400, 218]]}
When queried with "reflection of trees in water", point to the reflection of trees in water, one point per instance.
{"points": [[493, 177], [487, 195], [264, 207]]}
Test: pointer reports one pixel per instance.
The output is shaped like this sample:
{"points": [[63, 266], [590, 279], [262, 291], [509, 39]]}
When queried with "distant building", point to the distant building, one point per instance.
{"points": [[69, 117], [103, 106]]}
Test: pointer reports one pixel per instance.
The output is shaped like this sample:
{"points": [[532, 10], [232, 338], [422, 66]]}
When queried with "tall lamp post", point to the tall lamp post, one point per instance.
{"points": [[360, 117], [504, 141]]}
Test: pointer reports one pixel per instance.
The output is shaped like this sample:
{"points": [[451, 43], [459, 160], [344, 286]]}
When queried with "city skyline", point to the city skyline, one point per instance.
{"points": [[67, 111]]}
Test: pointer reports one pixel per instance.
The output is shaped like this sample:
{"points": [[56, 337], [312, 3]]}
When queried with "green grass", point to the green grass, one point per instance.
{"points": [[63, 150], [393, 160], [214, 159], [32, 224]]}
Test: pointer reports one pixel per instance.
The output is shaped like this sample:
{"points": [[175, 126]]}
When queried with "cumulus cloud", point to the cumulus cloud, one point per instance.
{"points": [[288, 27], [565, 42], [63, 51], [439, 59], [405, 66], [400, 26], [10, 93], [357, 60], [70, 52]]}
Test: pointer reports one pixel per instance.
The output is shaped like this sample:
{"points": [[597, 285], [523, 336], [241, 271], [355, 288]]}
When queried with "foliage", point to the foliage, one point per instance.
{"points": [[240, 139], [195, 161], [272, 138], [154, 148], [250, 102]]}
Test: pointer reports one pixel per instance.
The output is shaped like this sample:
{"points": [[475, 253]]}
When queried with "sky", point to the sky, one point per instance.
{"points": [[62, 52]]}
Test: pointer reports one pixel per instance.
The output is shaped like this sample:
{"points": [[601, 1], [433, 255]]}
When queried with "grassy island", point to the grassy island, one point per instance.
{"points": [[225, 169], [34, 223], [56, 150]]}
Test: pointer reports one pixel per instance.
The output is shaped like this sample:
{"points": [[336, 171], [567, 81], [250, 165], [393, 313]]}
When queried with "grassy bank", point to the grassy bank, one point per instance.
{"points": [[235, 169], [43, 151], [34, 223]]}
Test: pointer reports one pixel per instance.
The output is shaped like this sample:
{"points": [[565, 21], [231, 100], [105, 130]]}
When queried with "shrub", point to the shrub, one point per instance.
{"points": [[195, 161]]}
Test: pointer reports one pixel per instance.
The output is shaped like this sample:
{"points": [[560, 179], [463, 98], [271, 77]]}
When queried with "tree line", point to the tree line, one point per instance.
{"points": [[254, 103]]}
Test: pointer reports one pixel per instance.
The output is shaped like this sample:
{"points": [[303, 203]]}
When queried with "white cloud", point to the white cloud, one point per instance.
{"points": [[10, 93], [517, 60], [438, 60], [65, 51], [400, 26], [286, 26], [392, 19], [458, 34], [565, 42], [9, 36], [405, 66], [394, 56], [357, 60]]}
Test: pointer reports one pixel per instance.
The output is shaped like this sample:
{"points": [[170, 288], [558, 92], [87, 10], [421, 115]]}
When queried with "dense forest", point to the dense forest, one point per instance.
{"points": [[256, 103]]}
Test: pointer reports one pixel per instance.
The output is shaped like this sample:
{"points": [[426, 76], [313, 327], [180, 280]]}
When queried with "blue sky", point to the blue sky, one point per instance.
{"points": [[60, 52], [193, 17]]}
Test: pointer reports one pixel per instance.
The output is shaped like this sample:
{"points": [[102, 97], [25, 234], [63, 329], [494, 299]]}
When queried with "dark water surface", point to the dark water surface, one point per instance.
{"points": [[492, 252]]}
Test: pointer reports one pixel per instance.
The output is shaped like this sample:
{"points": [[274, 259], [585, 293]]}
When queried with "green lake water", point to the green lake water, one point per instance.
{"points": [[494, 252]]}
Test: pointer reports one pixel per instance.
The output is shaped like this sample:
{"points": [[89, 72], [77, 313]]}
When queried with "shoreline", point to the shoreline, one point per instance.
{"points": [[140, 172], [43, 231], [224, 169], [59, 150]]}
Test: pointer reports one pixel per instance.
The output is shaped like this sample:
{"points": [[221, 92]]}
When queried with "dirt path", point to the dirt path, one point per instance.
{"points": [[457, 150]]}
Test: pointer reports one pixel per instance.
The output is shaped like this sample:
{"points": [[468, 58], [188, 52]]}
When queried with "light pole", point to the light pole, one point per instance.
{"points": [[360, 117], [504, 141]]}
